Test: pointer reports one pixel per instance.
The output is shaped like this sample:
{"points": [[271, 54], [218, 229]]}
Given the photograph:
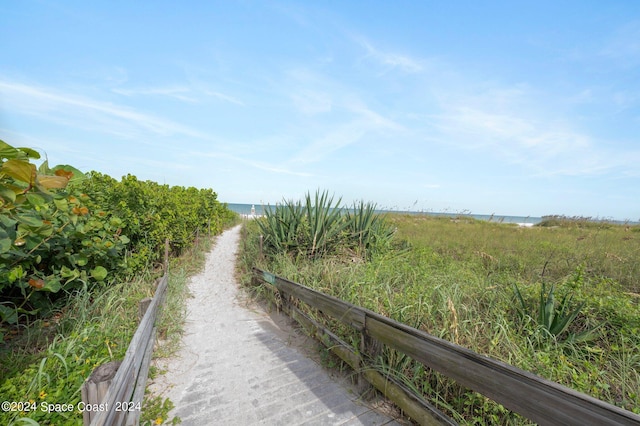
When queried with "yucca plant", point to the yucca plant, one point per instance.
{"points": [[367, 228], [554, 318], [280, 226], [320, 225], [360, 223], [325, 220]]}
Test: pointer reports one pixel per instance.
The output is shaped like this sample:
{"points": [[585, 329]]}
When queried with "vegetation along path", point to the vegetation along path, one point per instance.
{"points": [[237, 366]]}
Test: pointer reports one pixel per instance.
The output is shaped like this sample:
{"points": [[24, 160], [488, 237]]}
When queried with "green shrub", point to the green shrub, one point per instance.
{"points": [[320, 227]]}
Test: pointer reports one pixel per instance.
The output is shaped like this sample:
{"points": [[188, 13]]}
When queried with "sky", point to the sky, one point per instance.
{"points": [[523, 108]]}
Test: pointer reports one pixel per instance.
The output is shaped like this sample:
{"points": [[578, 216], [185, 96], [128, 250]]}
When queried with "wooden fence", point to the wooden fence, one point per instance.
{"points": [[113, 394], [538, 399]]}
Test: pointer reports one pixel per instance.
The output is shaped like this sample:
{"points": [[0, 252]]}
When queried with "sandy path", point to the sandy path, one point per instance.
{"points": [[236, 366]]}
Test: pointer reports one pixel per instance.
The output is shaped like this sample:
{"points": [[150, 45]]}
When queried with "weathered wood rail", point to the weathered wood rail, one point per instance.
{"points": [[122, 402], [117, 399], [538, 399]]}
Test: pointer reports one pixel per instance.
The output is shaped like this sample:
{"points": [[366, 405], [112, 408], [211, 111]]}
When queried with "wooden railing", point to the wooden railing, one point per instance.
{"points": [[538, 399], [113, 394], [119, 401]]}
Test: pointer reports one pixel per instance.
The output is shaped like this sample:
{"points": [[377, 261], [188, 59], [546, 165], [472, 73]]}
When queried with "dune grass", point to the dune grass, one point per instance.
{"points": [[457, 279]]}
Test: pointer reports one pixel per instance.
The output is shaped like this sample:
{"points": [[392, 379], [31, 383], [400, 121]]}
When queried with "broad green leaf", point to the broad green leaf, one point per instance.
{"points": [[31, 222], [124, 239], [99, 273], [31, 153], [61, 204], [5, 241], [69, 274], [36, 200], [45, 230], [9, 152], [52, 285], [20, 170], [8, 314], [8, 194]]}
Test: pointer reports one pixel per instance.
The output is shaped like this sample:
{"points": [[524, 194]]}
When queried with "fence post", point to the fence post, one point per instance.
{"points": [[261, 242], [95, 388], [143, 306]]}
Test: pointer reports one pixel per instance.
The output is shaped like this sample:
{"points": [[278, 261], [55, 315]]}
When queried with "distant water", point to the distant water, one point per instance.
{"points": [[245, 209]]}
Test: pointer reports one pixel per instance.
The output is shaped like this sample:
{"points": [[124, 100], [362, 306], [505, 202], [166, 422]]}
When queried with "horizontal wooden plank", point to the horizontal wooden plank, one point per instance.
{"points": [[344, 312], [413, 405], [121, 388], [540, 400]]}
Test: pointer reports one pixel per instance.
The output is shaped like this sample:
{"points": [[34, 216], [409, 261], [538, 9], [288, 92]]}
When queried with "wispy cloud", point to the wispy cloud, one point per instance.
{"points": [[82, 112], [542, 145], [391, 60], [267, 167], [181, 93], [363, 121], [223, 97], [177, 92]]}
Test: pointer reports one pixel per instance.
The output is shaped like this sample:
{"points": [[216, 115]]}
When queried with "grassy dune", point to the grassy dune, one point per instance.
{"points": [[457, 278]]}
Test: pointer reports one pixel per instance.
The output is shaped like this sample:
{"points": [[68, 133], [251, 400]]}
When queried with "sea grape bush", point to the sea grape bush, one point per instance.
{"points": [[151, 212], [49, 239], [61, 229]]}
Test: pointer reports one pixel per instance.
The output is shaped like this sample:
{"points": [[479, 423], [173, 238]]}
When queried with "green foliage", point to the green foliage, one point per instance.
{"points": [[453, 278], [369, 229], [62, 230], [574, 222], [321, 227], [151, 212], [50, 359], [554, 319], [49, 240]]}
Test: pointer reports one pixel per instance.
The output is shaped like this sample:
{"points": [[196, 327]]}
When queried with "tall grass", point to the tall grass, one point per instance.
{"points": [[455, 279], [49, 360]]}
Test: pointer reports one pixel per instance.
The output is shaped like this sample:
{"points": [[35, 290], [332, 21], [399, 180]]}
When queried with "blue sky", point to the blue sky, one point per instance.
{"points": [[513, 108]]}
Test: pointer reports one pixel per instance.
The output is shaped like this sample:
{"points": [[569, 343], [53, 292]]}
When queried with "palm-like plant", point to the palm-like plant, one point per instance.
{"points": [[554, 318], [320, 225], [367, 228], [325, 222]]}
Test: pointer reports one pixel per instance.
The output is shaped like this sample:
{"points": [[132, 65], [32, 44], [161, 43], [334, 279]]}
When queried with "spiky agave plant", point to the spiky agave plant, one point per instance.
{"points": [[367, 228], [280, 226], [325, 220], [554, 318]]}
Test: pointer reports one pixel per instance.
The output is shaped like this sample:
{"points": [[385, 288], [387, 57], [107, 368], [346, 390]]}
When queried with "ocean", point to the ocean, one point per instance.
{"points": [[258, 209]]}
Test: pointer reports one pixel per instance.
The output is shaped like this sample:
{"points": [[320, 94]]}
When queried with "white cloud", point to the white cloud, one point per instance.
{"points": [[544, 146], [176, 92], [364, 121], [223, 97], [252, 163], [390, 60], [82, 112]]}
